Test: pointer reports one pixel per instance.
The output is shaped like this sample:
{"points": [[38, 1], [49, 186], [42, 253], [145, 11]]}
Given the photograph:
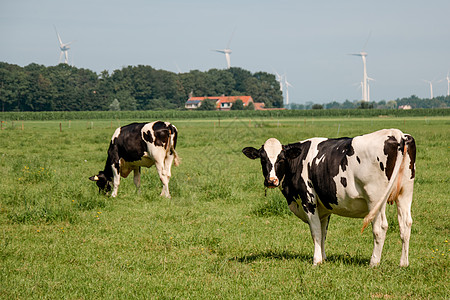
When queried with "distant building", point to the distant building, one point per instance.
{"points": [[193, 104], [259, 105], [222, 102], [405, 107], [226, 102]]}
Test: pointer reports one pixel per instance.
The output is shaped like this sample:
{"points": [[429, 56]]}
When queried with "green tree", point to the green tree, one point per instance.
{"points": [[207, 104], [115, 105], [238, 105], [127, 102], [391, 104], [250, 106], [317, 106]]}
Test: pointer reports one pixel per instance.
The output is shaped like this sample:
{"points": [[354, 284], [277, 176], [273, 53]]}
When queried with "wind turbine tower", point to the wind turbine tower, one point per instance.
{"points": [[227, 51], [363, 55], [368, 87], [365, 78], [431, 88], [448, 84], [280, 80], [64, 49], [287, 84]]}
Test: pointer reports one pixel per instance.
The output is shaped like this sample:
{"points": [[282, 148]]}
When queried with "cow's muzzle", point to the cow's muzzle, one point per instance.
{"points": [[272, 182]]}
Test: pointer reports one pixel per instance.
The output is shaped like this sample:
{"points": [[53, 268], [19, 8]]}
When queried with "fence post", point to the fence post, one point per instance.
{"points": [[60, 127]]}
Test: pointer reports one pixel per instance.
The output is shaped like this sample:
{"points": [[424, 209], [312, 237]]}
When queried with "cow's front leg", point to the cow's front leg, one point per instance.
{"points": [[137, 179], [164, 178], [316, 232], [379, 229], [116, 181]]}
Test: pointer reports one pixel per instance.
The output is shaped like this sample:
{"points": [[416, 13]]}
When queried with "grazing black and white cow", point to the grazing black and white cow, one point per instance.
{"points": [[350, 177], [139, 145]]}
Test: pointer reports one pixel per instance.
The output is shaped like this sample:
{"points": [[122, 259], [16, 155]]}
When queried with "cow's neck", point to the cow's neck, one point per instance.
{"points": [[108, 170]]}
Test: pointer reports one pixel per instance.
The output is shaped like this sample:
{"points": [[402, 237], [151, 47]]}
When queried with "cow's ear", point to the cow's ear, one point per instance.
{"points": [[292, 151], [251, 152], [93, 178]]}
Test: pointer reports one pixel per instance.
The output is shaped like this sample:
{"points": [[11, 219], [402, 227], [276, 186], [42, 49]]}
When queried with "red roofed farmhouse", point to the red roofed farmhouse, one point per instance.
{"points": [[222, 102]]}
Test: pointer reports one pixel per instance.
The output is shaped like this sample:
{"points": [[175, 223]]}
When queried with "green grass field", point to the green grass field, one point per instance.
{"points": [[219, 236]]}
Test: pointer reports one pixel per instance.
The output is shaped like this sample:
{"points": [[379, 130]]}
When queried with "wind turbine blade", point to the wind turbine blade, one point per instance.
{"points": [[365, 44], [279, 77], [57, 34], [178, 68], [232, 34]]}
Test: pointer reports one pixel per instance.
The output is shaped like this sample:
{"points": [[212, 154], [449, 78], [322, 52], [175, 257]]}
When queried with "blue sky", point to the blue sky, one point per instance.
{"points": [[307, 40]]}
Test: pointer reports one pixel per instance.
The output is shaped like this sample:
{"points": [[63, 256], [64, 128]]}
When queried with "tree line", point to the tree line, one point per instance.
{"points": [[409, 102], [66, 88]]}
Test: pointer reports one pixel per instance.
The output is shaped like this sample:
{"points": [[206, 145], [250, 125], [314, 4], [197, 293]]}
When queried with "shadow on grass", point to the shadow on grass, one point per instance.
{"points": [[279, 255], [345, 259]]}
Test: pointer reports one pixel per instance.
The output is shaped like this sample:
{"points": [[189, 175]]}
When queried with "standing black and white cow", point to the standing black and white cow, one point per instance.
{"points": [[350, 177], [139, 145]]}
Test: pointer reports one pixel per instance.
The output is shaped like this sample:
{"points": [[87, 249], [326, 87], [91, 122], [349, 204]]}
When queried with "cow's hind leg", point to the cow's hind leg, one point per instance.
{"points": [[137, 179], [316, 232], [405, 222], [168, 164], [324, 224], [379, 229]]}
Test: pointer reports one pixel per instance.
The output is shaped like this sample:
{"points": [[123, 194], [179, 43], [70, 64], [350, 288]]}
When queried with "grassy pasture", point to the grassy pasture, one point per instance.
{"points": [[219, 236]]}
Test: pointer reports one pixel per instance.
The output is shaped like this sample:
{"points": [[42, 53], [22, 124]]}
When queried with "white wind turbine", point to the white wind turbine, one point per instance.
{"points": [[368, 87], [431, 87], [363, 55], [280, 80], [362, 90], [448, 83], [64, 49], [359, 85], [287, 85], [227, 51]]}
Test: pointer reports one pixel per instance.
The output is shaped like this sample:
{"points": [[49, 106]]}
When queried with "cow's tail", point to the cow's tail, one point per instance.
{"points": [[173, 144], [396, 179], [177, 159]]}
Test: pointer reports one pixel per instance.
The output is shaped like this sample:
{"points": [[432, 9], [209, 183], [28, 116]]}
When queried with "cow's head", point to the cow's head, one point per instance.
{"points": [[273, 157], [103, 183]]}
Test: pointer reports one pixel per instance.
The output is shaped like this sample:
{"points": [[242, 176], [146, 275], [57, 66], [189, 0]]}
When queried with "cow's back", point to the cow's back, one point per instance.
{"points": [[127, 141], [343, 172]]}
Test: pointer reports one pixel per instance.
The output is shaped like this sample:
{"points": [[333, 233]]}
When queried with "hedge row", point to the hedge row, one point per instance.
{"points": [[174, 114]]}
